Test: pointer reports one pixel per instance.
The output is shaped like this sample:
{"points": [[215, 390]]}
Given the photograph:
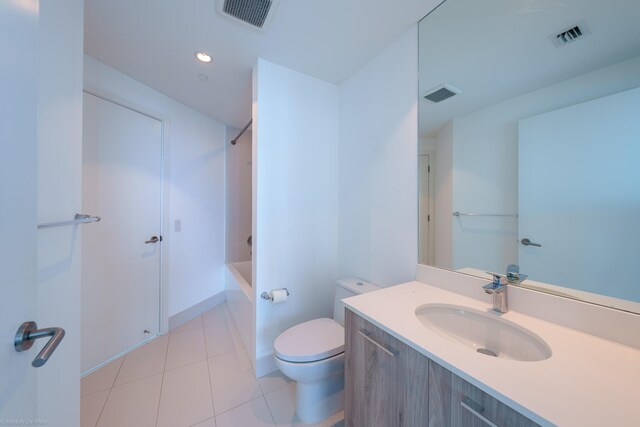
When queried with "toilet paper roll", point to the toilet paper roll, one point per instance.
{"points": [[279, 295]]}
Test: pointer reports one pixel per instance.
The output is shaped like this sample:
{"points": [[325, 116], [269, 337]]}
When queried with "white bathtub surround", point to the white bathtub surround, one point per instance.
{"points": [[245, 270], [240, 297], [586, 381]]}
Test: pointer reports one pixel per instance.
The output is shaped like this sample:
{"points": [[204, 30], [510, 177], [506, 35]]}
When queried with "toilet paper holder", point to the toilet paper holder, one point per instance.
{"points": [[269, 295]]}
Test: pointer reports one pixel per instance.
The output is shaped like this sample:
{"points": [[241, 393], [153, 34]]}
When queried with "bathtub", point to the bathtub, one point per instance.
{"points": [[240, 297]]}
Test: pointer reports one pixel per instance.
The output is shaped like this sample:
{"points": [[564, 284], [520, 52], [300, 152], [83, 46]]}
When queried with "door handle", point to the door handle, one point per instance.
{"points": [[154, 239], [528, 242], [28, 333]]}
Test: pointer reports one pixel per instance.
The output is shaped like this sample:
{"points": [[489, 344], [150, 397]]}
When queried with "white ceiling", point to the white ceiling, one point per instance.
{"points": [[153, 41], [495, 50]]}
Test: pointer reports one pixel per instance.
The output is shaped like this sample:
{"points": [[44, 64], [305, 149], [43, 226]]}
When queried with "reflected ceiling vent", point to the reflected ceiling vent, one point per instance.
{"points": [[441, 92], [570, 34], [257, 13]]}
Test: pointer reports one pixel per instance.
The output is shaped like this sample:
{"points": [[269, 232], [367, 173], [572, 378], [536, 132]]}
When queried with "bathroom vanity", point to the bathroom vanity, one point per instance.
{"points": [[388, 383], [400, 372]]}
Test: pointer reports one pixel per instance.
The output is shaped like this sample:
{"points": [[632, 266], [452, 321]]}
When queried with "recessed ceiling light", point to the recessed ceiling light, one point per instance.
{"points": [[203, 56], [203, 77]]}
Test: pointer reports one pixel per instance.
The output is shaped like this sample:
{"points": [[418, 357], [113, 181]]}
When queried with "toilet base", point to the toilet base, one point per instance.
{"points": [[318, 400], [320, 386]]}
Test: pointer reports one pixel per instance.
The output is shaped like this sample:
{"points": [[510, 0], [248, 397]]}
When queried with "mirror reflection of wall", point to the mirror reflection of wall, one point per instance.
{"points": [[540, 143]]}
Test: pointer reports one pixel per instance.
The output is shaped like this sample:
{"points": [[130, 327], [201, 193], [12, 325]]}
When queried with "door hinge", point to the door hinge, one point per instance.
{"points": [[429, 169], [428, 218]]}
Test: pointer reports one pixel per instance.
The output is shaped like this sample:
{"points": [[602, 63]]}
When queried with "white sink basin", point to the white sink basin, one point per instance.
{"points": [[483, 332]]}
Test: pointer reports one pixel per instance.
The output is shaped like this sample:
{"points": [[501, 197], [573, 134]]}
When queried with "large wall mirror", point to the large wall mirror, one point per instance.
{"points": [[529, 154]]}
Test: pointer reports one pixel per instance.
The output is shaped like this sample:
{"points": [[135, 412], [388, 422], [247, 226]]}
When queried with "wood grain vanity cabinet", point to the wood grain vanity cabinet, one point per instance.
{"points": [[389, 384], [386, 385]]}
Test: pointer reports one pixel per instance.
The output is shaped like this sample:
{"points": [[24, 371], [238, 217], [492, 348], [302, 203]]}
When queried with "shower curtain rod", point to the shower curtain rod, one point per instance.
{"points": [[233, 141]]}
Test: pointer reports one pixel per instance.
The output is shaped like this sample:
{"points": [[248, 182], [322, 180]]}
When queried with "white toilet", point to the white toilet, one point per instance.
{"points": [[312, 353]]}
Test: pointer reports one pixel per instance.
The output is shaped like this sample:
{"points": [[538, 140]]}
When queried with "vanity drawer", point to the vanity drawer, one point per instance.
{"points": [[386, 381], [471, 407]]}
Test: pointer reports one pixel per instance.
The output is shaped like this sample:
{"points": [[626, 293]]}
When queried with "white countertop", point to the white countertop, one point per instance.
{"points": [[588, 381]]}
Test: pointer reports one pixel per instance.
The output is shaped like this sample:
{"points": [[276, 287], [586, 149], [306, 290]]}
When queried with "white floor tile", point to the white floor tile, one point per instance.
{"points": [[217, 314], [191, 324], [134, 404], [144, 361], [250, 414], [219, 339], [211, 422], [186, 396], [232, 381], [102, 379], [91, 406], [273, 381], [282, 404], [185, 348]]}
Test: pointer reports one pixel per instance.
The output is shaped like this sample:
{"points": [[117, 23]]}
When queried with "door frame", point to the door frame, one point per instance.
{"points": [[431, 191], [163, 312]]}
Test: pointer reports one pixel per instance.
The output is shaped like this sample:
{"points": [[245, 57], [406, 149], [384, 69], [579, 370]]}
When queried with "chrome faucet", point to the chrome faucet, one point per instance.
{"points": [[498, 288], [513, 275]]}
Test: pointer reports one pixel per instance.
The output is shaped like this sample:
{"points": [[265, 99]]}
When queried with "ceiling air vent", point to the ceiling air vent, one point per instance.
{"points": [[570, 34], [256, 13], [440, 93]]}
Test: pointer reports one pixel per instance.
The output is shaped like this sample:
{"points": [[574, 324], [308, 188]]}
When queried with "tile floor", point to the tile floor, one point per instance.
{"points": [[198, 375]]}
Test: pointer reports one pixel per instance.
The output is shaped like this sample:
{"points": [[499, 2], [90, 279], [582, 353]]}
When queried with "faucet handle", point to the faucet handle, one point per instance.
{"points": [[513, 274], [497, 279]]}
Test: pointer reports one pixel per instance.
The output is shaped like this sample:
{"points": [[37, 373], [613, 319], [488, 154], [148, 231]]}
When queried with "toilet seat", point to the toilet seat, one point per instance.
{"points": [[310, 341]]}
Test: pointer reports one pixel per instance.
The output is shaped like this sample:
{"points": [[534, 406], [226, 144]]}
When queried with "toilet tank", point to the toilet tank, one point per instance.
{"points": [[346, 288]]}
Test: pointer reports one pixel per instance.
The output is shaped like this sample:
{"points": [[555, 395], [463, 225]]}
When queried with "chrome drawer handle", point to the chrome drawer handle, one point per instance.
{"points": [[389, 350], [476, 410], [28, 333]]}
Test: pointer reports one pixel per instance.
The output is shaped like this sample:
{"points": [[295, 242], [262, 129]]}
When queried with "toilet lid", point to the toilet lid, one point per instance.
{"points": [[310, 341]]}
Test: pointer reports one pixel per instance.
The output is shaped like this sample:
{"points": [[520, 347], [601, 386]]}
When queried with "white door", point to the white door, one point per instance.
{"points": [[122, 171], [424, 213], [18, 215], [579, 195]]}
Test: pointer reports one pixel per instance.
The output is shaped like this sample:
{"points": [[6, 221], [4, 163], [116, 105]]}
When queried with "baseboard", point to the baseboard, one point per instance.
{"points": [[265, 365], [194, 311]]}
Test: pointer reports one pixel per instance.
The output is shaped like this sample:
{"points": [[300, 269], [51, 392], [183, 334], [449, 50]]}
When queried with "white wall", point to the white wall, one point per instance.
{"points": [[378, 166], [486, 156], [196, 186], [295, 209], [427, 145], [59, 194], [238, 196]]}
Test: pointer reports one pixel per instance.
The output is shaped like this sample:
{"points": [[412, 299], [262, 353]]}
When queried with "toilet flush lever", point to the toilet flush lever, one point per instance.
{"points": [[28, 333]]}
